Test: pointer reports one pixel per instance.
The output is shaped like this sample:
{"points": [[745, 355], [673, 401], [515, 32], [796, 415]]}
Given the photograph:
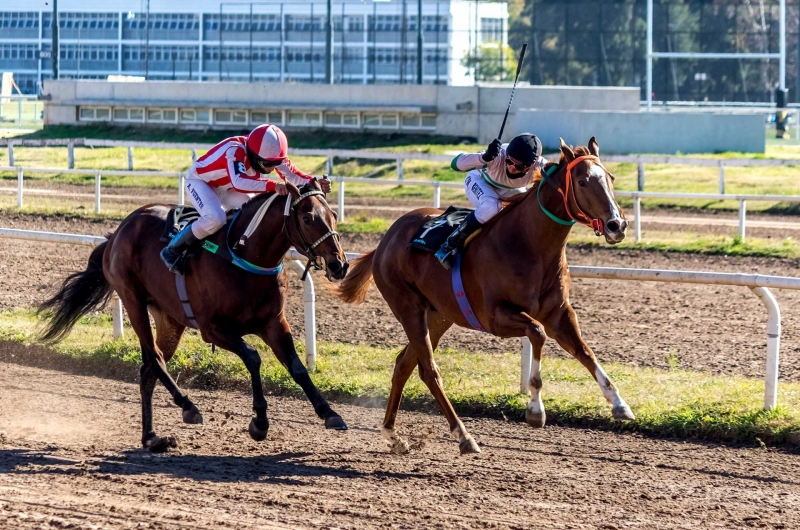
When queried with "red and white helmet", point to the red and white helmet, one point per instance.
{"points": [[266, 146]]}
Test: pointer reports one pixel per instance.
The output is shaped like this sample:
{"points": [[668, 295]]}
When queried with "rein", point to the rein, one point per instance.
{"points": [[567, 194]]}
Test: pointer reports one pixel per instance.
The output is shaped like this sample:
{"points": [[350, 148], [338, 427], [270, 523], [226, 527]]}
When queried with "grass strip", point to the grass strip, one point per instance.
{"points": [[674, 403]]}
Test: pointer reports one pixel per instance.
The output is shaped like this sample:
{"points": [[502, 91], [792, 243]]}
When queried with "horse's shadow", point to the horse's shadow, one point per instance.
{"points": [[284, 468]]}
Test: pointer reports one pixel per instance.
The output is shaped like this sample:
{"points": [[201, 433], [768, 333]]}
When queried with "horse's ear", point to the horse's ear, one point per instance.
{"points": [[567, 151], [594, 147], [293, 191]]}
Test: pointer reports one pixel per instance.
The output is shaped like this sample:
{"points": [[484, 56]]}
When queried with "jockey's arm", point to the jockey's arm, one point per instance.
{"points": [[288, 171], [466, 162]]}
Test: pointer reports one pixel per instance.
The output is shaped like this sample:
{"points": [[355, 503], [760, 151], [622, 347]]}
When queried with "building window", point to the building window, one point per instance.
{"points": [[418, 121], [341, 119], [263, 116], [491, 29], [380, 121], [309, 119], [162, 115], [94, 114], [128, 114], [230, 117]]}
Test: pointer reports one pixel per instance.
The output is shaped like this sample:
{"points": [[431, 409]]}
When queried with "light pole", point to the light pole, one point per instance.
{"points": [[55, 52]]}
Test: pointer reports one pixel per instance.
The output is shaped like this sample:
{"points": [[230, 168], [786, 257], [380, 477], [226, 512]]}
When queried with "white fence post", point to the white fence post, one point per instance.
{"points": [[525, 363], [19, 112], [640, 177], [71, 155], [97, 193], [130, 158], [182, 190], [437, 195], [309, 302], [340, 197], [194, 156], [329, 165], [742, 215], [637, 218], [399, 169], [10, 154], [721, 178], [773, 346], [20, 178], [116, 316]]}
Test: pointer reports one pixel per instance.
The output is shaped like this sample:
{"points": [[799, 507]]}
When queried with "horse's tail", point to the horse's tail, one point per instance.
{"points": [[80, 293], [353, 289]]}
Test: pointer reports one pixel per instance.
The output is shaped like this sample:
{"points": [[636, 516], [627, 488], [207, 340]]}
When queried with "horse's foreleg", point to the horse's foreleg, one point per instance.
{"points": [[510, 321], [278, 337], [564, 328]]}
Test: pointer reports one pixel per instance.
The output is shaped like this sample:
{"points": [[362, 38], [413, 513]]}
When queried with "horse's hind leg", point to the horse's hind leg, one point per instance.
{"points": [[168, 336], [564, 328], [403, 368], [278, 337]]}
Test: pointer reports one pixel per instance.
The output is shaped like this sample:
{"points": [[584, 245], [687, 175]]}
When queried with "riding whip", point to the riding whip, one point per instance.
{"points": [[513, 88]]}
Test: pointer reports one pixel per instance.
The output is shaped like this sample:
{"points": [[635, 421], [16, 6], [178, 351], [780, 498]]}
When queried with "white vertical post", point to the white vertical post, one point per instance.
{"points": [[97, 193], [194, 156], [773, 346], [181, 190], [19, 187], [399, 169], [782, 44], [640, 176], [525, 363], [637, 218], [649, 95], [742, 215], [71, 155], [329, 165], [721, 178], [340, 197], [19, 111], [116, 316], [130, 158], [309, 310], [10, 154], [437, 195]]}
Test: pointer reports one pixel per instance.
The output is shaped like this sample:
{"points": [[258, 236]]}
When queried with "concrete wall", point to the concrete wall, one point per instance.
{"points": [[626, 132]]}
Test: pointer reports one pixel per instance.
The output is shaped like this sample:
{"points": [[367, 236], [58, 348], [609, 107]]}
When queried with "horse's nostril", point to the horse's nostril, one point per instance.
{"points": [[612, 226], [335, 266]]}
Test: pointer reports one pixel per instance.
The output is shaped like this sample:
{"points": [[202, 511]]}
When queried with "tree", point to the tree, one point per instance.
{"points": [[494, 62]]}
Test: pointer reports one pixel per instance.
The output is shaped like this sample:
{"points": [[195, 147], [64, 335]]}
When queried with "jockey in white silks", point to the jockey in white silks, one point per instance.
{"points": [[226, 177], [494, 175]]}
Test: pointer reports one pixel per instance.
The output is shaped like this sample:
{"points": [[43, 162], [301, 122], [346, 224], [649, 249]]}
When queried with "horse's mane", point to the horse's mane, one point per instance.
{"points": [[511, 203]]}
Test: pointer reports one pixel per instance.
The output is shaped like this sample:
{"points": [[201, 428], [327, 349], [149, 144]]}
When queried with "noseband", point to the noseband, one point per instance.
{"points": [[307, 247], [569, 194]]}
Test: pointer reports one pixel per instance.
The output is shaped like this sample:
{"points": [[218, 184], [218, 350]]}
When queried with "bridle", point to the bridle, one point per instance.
{"points": [[307, 246], [568, 194]]}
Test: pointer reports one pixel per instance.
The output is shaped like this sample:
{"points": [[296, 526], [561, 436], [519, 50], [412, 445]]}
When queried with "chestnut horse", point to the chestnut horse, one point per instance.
{"points": [[228, 302], [515, 274]]}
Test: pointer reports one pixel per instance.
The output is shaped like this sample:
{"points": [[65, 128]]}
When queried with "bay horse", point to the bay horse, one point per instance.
{"points": [[514, 273], [228, 302]]}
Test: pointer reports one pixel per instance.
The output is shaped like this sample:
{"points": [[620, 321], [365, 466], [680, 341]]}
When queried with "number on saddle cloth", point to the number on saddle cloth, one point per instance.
{"points": [[433, 233]]}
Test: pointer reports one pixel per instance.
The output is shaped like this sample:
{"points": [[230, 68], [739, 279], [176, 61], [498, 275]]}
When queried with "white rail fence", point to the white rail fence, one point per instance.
{"points": [[397, 157], [437, 186], [757, 283]]}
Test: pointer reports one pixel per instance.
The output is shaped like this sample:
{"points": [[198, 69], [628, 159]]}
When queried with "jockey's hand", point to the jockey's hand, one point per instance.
{"points": [[325, 185], [492, 150], [281, 189]]}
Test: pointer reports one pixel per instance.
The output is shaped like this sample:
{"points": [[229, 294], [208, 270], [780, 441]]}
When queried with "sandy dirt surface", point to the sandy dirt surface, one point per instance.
{"points": [[712, 328], [69, 458]]}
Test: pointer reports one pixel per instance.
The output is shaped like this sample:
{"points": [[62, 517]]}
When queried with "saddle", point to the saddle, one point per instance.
{"points": [[435, 232], [177, 218]]}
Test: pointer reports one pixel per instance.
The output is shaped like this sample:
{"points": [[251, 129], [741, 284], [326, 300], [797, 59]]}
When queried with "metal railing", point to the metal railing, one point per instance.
{"points": [[758, 283], [20, 111], [437, 186]]}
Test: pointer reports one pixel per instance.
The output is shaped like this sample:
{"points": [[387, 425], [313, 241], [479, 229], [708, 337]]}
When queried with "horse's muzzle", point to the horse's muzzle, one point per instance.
{"points": [[615, 230], [336, 269]]}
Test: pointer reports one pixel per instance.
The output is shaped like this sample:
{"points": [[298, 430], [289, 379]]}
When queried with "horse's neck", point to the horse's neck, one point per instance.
{"points": [[536, 234], [268, 243]]}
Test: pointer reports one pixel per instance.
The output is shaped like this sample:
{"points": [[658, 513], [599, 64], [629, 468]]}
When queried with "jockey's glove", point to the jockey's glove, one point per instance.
{"points": [[492, 150]]}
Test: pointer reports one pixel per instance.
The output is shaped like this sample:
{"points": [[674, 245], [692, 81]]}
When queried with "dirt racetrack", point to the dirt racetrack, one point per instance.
{"points": [[69, 458]]}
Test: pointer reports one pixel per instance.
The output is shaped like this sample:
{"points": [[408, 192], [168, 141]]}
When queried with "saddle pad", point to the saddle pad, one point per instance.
{"points": [[177, 218], [433, 233]]}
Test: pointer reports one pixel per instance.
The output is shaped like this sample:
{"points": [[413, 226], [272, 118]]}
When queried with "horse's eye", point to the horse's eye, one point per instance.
{"points": [[307, 219], [582, 183]]}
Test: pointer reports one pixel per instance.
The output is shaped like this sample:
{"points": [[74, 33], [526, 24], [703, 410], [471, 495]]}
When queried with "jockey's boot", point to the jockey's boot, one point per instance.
{"points": [[175, 249], [446, 254]]}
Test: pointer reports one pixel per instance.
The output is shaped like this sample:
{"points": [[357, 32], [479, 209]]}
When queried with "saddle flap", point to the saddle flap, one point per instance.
{"points": [[434, 232], [177, 218]]}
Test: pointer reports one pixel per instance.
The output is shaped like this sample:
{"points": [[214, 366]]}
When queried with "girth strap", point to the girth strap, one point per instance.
{"points": [[180, 284]]}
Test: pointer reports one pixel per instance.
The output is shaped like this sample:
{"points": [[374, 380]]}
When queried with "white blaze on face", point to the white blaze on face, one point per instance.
{"points": [[599, 172]]}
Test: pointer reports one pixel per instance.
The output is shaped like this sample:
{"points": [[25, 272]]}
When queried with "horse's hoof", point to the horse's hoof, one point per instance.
{"points": [[398, 446], [622, 412], [192, 416], [157, 444], [336, 423], [256, 433], [468, 446], [535, 419]]}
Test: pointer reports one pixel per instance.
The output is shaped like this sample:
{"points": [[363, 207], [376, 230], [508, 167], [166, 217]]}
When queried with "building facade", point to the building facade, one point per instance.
{"points": [[374, 42]]}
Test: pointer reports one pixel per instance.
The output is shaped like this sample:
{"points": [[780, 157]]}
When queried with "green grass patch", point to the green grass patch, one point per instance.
{"points": [[667, 402]]}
